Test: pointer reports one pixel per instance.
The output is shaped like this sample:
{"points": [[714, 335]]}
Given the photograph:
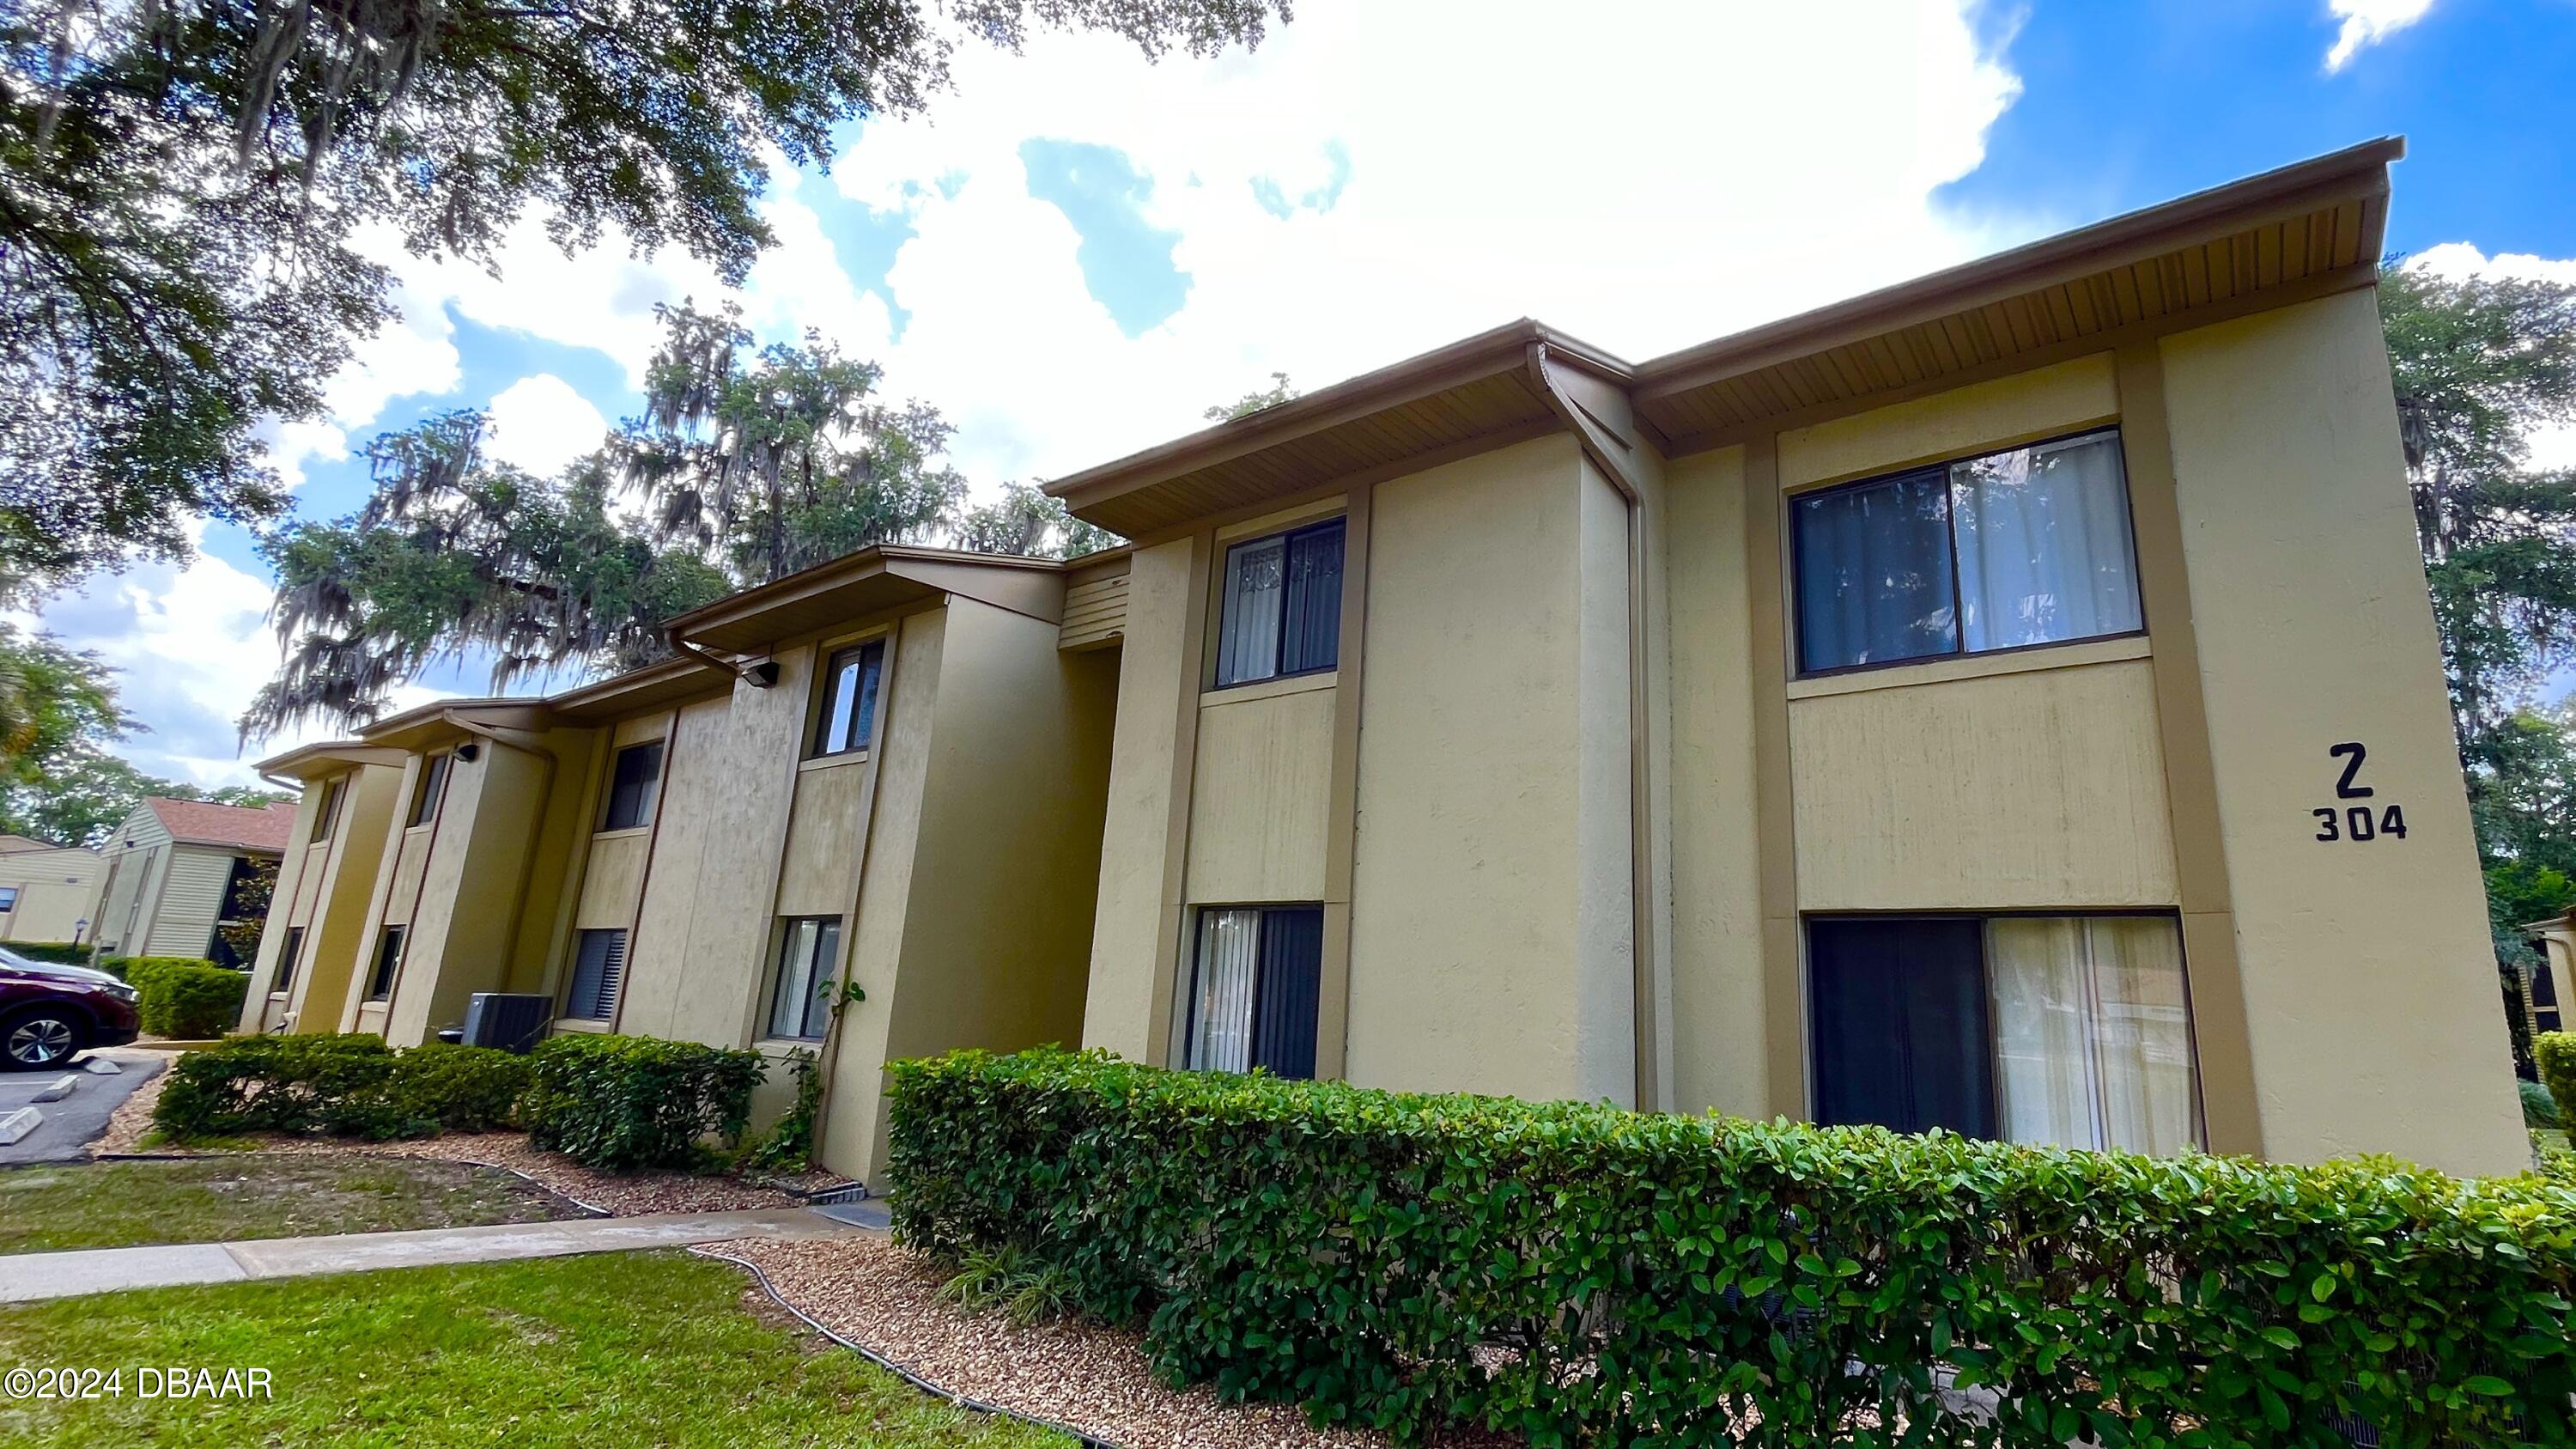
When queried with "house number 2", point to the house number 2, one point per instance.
{"points": [[2357, 822]]}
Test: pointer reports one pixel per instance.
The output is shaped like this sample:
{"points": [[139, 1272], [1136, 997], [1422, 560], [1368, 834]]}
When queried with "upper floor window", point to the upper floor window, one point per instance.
{"points": [[424, 797], [630, 787], [326, 815], [2002, 551], [849, 699], [1282, 611], [389, 954]]}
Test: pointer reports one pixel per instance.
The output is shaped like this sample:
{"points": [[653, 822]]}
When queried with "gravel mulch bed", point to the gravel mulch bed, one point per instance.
{"points": [[1084, 1376], [622, 1194]]}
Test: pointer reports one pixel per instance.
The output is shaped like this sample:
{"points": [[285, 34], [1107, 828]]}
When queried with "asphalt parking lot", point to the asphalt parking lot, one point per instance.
{"points": [[72, 1123]]}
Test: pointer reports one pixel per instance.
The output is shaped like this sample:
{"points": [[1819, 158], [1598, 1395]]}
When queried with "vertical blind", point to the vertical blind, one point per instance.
{"points": [[799, 1005], [2026, 546], [1282, 609], [1254, 993], [599, 965]]}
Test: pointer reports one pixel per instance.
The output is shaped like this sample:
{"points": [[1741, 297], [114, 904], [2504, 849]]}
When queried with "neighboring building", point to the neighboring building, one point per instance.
{"points": [[177, 868], [47, 892], [884, 760], [2554, 942], [2006, 701]]}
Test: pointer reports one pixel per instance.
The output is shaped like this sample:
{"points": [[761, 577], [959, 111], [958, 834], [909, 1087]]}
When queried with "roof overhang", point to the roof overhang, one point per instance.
{"points": [[1461, 398], [330, 757], [875, 580], [438, 721], [2304, 230], [655, 686]]}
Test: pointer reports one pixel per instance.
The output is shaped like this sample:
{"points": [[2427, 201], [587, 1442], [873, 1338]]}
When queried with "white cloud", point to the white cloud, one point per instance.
{"points": [[2368, 22], [414, 354], [539, 423], [2551, 445]]}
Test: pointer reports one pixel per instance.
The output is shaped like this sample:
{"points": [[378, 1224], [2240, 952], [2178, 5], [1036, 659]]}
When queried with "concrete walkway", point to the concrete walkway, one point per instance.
{"points": [[26, 1276]]}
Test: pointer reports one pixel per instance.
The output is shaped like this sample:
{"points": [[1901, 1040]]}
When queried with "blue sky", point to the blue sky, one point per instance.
{"points": [[1077, 251]]}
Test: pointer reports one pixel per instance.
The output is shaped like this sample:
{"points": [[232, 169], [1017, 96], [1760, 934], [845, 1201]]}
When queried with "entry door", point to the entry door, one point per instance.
{"points": [[1901, 1035]]}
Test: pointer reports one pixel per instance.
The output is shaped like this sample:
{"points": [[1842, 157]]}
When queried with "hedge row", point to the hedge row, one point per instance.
{"points": [[61, 953], [1581, 1274], [611, 1102], [186, 998]]}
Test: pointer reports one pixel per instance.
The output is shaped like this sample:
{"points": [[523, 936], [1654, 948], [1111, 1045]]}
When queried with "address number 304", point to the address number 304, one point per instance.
{"points": [[2357, 822]]}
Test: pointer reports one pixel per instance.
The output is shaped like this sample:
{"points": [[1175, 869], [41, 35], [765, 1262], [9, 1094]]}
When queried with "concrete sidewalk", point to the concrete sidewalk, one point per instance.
{"points": [[27, 1276]]}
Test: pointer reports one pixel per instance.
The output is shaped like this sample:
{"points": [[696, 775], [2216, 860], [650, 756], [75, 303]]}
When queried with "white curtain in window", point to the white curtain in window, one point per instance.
{"points": [[1255, 587], [2142, 1035], [2044, 548], [800, 956], [2036, 969], [1221, 1005]]}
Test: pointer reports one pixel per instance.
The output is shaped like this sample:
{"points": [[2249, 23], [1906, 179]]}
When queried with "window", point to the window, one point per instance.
{"points": [[389, 949], [326, 816], [1283, 606], [1253, 995], [287, 957], [630, 787], [8, 898], [598, 965], [424, 797], [849, 699], [2074, 1030], [800, 998], [2005, 551]]}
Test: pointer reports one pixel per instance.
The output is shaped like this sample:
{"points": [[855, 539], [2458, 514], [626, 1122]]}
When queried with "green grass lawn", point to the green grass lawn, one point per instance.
{"points": [[126, 1204], [625, 1349]]}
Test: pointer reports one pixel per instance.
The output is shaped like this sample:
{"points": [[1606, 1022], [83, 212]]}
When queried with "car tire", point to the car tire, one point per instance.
{"points": [[49, 1036]]}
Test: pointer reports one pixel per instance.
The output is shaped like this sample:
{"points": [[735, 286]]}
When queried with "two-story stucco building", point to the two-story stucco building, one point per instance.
{"points": [[2006, 702]]}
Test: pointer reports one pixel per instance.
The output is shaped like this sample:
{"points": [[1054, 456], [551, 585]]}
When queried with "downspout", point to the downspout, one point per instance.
{"points": [[545, 759], [1645, 1001]]}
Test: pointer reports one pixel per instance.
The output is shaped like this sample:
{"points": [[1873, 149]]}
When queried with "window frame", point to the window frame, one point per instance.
{"points": [[326, 814], [1188, 1015], [650, 803], [824, 693], [392, 944], [827, 942], [288, 952], [430, 790], [1791, 500], [572, 975], [2170, 914], [1224, 573]]}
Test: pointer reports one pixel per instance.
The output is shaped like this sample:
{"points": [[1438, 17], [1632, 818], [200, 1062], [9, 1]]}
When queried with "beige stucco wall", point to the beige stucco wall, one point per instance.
{"points": [[1491, 918], [333, 900], [699, 770], [1259, 793], [56, 889], [1127, 1009], [2368, 976], [1719, 1052]]}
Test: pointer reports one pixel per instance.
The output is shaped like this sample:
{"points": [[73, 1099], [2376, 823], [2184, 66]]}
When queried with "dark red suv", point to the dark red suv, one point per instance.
{"points": [[50, 1013]]}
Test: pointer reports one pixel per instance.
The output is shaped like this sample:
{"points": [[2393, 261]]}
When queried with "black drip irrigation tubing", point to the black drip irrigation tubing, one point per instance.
{"points": [[899, 1370]]}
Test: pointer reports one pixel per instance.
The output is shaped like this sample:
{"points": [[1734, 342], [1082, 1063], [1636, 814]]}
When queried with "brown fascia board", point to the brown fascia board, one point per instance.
{"points": [[927, 570], [1501, 349], [2303, 186], [677, 677]]}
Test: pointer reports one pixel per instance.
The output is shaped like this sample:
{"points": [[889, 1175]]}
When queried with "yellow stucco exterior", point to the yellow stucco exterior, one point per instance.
{"points": [[1559, 814]]}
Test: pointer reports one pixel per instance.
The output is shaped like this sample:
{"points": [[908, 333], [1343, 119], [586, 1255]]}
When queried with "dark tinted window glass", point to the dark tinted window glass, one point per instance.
{"points": [[1873, 566], [630, 787], [1900, 1025], [1282, 610], [849, 700], [433, 782], [1284, 1000], [2544, 991], [380, 980], [327, 814], [287, 956], [598, 964]]}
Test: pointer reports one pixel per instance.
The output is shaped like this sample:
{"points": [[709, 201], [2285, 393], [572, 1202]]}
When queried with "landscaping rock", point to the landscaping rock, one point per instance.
{"points": [[18, 1124]]}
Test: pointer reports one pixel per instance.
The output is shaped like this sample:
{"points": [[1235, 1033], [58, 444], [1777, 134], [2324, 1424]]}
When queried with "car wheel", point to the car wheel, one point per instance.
{"points": [[45, 1037]]}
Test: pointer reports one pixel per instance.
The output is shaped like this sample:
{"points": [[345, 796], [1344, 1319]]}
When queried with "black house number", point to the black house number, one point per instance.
{"points": [[2357, 822]]}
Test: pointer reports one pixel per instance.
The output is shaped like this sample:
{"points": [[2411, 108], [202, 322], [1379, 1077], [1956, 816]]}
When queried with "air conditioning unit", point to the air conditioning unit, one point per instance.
{"points": [[511, 1021]]}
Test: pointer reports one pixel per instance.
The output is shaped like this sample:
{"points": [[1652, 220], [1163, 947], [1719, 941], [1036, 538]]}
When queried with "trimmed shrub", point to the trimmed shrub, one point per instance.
{"points": [[624, 1102], [2554, 1052], [2539, 1105], [187, 999], [1583, 1274], [61, 953], [346, 1086]]}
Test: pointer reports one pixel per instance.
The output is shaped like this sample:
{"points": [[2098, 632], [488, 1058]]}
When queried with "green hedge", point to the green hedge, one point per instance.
{"points": [[185, 998], [61, 953], [1581, 1274], [624, 1102], [2554, 1052], [347, 1086]]}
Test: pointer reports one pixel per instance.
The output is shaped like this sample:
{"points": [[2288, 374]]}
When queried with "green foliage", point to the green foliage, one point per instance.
{"points": [[1027, 522], [1279, 391], [788, 1146], [2554, 1052], [627, 1102], [183, 186], [184, 998], [1024, 1287], [62, 953], [345, 1086], [2539, 1105], [1584, 1274]]}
